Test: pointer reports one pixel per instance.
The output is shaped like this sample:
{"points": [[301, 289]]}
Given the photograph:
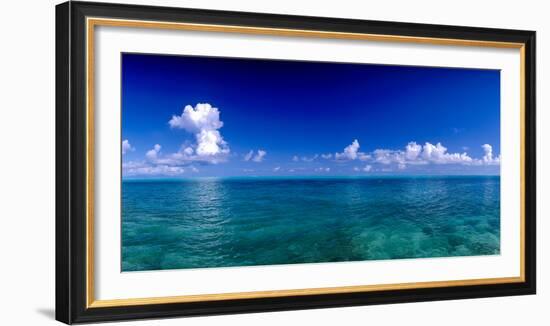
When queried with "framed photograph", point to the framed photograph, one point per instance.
{"points": [[212, 162]]}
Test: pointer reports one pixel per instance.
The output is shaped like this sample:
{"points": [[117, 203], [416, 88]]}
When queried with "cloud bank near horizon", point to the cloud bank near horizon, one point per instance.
{"points": [[379, 160], [416, 154], [209, 148]]}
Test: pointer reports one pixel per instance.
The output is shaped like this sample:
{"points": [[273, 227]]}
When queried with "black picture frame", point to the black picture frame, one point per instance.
{"points": [[71, 158]]}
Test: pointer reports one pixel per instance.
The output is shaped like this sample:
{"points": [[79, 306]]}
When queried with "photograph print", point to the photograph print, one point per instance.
{"points": [[232, 162]]}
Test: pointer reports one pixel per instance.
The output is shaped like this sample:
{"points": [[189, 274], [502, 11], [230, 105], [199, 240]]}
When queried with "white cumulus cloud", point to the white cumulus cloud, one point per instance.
{"points": [[127, 147], [416, 154], [438, 154], [152, 155], [388, 156], [210, 143], [350, 152], [204, 122], [202, 117], [412, 151], [488, 157]]}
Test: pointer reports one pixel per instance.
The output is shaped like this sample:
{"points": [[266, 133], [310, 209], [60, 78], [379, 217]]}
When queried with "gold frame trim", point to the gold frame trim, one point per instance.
{"points": [[92, 22]]}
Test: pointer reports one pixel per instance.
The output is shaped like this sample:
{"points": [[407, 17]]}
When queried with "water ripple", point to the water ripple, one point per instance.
{"points": [[240, 222]]}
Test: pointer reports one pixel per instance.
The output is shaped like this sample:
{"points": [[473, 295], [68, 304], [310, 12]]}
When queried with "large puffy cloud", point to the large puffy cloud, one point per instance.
{"points": [[203, 121], [202, 117], [126, 146]]}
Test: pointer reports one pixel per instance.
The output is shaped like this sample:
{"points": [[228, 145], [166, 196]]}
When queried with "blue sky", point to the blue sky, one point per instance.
{"points": [[185, 116]]}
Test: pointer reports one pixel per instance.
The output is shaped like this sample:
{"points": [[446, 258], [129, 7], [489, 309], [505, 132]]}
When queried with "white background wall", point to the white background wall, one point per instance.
{"points": [[27, 162]]}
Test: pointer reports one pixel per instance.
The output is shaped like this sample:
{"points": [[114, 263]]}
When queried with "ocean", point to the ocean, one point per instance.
{"points": [[223, 222]]}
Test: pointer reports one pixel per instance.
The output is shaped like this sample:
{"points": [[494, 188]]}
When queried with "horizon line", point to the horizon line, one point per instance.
{"points": [[307, 176]]}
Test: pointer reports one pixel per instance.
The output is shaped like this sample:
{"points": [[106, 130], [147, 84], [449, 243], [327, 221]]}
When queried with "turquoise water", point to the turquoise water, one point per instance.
{"points": [[221, 222]]}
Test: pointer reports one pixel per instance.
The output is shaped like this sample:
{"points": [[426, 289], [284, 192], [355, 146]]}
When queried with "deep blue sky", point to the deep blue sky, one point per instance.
{"points": [[289, 108]]}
